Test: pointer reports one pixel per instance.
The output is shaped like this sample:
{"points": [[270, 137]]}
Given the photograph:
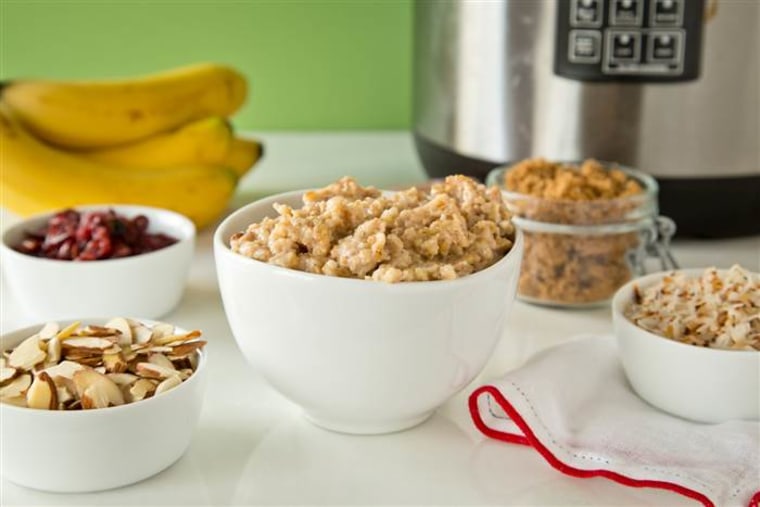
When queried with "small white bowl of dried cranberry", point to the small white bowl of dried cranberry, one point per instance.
{"points": [[98, 260]]}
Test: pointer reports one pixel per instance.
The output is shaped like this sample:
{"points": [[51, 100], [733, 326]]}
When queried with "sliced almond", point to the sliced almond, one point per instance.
{"points": [[187, 348], [7, 373], [169, 383], [64, 370], [68, 330], [101, 369], [115, 349], [49, 330], [141, 389], [161, 360], [181, 363], [128, 353], [176, 338], [53, 350], [19, 401], [73, 404], [122, 325], [185, 373], [77, 354], [193, 359], [141, 334], [42, 394], [150, 370], [160, 330], [90, 342], [114, 363], [93, 398], [83, 354], [96, 390], [162, 349], [132, 366], [123, 379], [27, 354], [17, 386], [3, 361], [99, 332], [64, 396], [91, 361]]}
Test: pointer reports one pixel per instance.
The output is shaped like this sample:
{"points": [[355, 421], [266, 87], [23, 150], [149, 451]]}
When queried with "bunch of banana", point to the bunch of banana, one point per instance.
{"points": [[160, 140]]}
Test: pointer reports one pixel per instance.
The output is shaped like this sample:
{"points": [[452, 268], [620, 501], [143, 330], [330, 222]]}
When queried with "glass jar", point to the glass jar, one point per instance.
{"points": [[578, 253]]}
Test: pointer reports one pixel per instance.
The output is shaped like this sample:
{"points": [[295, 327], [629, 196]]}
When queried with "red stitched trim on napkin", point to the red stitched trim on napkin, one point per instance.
{"points": [[529, 438]]}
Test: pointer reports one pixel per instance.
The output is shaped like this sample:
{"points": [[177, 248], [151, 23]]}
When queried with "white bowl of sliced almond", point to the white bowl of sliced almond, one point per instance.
{"points": [[97, 403]]}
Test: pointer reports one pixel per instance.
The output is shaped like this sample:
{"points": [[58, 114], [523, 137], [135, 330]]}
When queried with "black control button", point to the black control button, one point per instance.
{"points": [[585, 46], [665, 46], [587, 13], [624, 46], [626, 12], [666, 12]]}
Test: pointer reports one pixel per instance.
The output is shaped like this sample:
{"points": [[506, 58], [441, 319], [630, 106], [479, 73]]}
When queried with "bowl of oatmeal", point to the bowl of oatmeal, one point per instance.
{"points": [[369, 309], [689, 341], [586, 226]]}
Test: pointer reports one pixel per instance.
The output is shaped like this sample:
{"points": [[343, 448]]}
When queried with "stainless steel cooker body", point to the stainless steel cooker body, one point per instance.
{"points": [[490, 88]]}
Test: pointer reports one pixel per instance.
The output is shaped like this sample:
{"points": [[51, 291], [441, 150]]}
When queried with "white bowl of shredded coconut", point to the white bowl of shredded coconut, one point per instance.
{"points": [[690, 341]]}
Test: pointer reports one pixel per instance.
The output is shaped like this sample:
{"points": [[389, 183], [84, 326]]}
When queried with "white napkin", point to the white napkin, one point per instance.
{"points": [[573, 404]]}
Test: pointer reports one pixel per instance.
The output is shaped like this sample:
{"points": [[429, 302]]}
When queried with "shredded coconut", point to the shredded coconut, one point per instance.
{"points": [[719, 309]]}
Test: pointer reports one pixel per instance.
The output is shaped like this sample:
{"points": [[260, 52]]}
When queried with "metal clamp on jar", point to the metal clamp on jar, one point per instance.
{"points": [[578, 253]]}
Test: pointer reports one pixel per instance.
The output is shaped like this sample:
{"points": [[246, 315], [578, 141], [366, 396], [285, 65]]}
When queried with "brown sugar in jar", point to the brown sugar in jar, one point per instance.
{"points": [[582, 224]]}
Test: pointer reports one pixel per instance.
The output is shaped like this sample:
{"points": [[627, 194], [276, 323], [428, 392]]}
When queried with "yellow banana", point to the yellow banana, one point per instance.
{"points": [[97, 114], [206, 142], [243, 153], [36, 177]]}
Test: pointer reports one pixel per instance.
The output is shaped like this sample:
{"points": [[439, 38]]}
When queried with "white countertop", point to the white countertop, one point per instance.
{"points": [[252, 447]]}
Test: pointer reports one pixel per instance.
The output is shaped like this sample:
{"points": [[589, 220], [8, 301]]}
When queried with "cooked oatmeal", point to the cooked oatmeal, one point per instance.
{"points": [[717, 309], [455, 228]]}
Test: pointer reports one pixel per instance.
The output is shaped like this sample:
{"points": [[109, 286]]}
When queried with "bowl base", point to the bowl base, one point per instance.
{"points": [[560, 305], [108, 484], [367, 427]]}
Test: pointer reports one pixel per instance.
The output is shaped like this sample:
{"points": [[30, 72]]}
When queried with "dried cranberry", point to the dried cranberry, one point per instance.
{"points": [[141, 222], [92, 235], [121, 249], [64, 250], [96, 248]]}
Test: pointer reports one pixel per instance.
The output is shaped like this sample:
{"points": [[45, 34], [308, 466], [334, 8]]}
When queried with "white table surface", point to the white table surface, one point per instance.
{"points": [[252, 447]]}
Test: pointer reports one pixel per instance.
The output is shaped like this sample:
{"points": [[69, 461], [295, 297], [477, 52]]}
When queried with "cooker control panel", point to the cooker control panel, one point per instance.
{"points": [[628, 40]]}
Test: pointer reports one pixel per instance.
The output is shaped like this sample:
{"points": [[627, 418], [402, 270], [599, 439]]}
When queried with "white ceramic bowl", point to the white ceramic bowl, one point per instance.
{"points": [[360, 356], [149, 284], [93, 450], [697, 383]]}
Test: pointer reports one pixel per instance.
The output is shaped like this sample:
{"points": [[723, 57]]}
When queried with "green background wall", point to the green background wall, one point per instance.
{"points": [[311, 64]]}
